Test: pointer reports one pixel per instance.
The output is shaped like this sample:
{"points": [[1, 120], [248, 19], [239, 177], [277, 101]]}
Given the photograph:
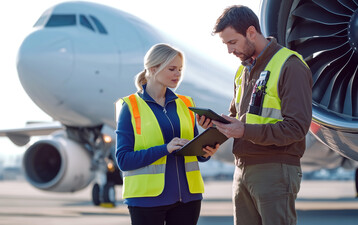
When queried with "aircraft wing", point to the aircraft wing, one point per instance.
{"points": [[21, 136]]}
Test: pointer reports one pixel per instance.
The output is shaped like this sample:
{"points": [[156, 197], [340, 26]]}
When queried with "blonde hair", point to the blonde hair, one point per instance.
{"points": [[159, 55]]}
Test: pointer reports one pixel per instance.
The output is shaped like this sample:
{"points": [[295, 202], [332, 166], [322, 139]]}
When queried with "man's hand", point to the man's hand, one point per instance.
{"points": [[233, 129], [204, 122]]}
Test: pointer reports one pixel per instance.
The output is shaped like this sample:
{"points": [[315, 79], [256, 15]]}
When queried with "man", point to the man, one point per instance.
{"points": [[270, 115]]}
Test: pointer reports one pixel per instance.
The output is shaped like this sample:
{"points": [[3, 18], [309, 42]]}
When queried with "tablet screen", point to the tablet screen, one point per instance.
{"points": [[210, 137], [208, 113]]}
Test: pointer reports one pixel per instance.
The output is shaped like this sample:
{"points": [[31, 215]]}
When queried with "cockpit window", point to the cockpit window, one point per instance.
{"points": [[41, 21], [57, 20], [99, 25], [84, 22]]}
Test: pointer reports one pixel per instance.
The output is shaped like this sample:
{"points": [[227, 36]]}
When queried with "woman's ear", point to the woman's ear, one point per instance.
{"points": [[152, 70]]}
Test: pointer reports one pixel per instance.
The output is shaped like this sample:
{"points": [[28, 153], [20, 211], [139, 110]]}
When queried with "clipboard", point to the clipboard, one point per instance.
{"points": [[208, 113], [210, 136]]}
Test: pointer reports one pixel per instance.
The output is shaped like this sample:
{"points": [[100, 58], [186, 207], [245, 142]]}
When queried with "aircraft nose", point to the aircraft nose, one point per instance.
{"points": [[45, 62]]}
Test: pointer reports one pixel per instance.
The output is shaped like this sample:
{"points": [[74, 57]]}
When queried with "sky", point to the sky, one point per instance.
{"points": [[190, 21]]}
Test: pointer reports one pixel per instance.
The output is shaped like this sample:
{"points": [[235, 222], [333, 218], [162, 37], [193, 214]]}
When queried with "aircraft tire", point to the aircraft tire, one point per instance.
{"points": [[109, 193], [95, 195]]}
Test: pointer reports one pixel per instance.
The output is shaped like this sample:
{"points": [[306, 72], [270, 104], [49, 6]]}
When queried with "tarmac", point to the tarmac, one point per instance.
{"points": [[319, 202]]}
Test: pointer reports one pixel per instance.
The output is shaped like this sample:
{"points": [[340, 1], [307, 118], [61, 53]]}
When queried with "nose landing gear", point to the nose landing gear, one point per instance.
{"points": [[104, 196]]}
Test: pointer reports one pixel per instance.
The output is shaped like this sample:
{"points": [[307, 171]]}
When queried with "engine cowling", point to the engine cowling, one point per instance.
{"points": [[57, 164], [325, 33]]}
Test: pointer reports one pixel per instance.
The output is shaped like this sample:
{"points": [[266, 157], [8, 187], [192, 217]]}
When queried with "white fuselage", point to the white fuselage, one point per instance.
{"points": [[75, 74]]}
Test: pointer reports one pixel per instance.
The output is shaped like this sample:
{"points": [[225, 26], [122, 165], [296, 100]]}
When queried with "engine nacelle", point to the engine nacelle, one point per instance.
{"points": [[58, 164], [325, 34]]}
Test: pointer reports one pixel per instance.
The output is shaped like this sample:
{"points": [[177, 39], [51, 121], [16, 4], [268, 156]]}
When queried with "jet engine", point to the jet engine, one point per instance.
{"points": [[325, 33], [58, 164]]}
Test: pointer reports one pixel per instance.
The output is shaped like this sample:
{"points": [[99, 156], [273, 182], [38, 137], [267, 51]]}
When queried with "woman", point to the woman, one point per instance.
{"points": [[153, 123]]}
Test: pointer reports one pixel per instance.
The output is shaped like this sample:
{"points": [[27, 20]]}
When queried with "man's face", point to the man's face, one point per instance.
{"points": [[237, 44]]}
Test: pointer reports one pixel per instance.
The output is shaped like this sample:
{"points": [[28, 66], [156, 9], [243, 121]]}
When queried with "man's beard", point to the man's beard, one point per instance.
{"points": [[247, 53]]}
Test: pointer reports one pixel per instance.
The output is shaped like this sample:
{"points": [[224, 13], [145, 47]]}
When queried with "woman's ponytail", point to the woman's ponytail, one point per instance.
{"points": [[140, 80]]}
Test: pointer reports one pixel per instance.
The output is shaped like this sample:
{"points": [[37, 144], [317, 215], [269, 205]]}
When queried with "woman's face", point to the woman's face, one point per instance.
{"points": [[170, 75]]}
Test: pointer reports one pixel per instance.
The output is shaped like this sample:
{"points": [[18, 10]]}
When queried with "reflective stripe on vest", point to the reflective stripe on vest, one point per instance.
{"points": [[149, 181], [238, 80], [271, 107], [188, 102], [136, 115], [152, 169]]}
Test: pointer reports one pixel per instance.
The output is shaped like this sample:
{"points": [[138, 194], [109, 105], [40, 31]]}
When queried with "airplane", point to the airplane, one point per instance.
{"points": [[80, 58]]}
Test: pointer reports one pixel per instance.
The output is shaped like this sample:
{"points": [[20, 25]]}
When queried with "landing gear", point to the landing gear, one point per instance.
{"points": [[103, 191], [105, 196], [109, 193], [107, 174], [356, 182]]}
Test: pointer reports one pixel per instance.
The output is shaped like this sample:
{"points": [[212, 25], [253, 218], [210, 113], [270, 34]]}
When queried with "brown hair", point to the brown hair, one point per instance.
{"points": [[238, 17]]}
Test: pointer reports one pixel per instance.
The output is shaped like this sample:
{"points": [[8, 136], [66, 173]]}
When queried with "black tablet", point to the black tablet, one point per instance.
{"points": [[208, 113], [209, 137]]}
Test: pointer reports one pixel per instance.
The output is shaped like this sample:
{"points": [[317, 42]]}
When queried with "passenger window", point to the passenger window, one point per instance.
{"points": [[61, 20], [84, 22], [99, 25]]}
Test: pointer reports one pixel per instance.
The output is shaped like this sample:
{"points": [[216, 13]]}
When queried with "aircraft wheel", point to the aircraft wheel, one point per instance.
{"points": [[95, 194], [356, 181], [109, 193]]}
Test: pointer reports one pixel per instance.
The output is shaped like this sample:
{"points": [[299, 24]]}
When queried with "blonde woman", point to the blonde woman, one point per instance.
{"points": [[159, 187]]}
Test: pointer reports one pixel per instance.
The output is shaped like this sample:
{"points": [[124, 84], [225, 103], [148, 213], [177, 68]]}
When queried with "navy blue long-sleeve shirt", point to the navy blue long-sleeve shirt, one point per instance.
{"points": [[176, 185]]}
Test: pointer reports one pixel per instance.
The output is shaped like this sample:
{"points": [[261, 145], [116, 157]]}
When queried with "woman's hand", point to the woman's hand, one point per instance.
{"points": [[176, 143], [210, 151], [203, 121]]}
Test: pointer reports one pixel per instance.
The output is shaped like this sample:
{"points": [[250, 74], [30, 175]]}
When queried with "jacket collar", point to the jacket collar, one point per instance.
{"points": [[269, 47], [169, 95]]}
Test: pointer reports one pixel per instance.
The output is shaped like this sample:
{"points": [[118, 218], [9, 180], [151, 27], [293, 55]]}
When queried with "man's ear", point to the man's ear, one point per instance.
{"points": [[251, 33]]}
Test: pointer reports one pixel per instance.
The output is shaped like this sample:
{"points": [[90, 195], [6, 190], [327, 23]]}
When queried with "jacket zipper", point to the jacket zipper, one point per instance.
{"points": [[176, 158]]}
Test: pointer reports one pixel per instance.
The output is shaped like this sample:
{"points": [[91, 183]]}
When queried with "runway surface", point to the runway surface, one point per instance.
{"points": [[319, 202]]}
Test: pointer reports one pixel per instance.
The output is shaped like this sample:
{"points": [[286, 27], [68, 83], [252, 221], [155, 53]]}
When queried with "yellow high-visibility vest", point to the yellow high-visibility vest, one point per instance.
{"points": [[271, 107], [148, 181]]}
